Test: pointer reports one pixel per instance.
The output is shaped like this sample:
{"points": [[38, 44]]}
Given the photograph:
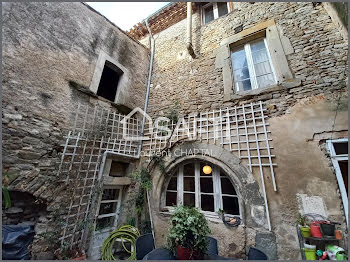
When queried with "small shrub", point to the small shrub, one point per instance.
{"points": [[189, 229]]}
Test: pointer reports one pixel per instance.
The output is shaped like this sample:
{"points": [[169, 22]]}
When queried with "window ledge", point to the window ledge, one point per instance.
{"points": [[288, 84]]}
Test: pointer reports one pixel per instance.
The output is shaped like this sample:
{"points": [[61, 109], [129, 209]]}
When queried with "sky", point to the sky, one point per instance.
{"points": [[126, 14]]}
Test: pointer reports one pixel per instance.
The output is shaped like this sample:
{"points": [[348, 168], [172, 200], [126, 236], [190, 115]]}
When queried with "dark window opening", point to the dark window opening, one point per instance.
{"points": [[222, 8], [171, 198], [207, 202], [230, 205], [189, 199], [343, 165], [341, 148], [110, 77], [118, 169], [208, 14]]}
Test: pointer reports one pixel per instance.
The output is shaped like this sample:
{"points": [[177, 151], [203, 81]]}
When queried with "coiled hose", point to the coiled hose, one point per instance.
{"points": [[126, 233]]}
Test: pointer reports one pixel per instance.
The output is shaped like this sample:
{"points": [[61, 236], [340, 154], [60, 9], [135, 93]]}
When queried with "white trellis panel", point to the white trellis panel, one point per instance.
{"points": [[242, 130]]}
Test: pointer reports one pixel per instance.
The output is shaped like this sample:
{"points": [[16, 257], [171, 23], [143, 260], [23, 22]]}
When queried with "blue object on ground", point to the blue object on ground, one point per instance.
{"points": [[212, 246], [160, 254], [256, 254], [15, 241], [217, 257], [144, 245]]}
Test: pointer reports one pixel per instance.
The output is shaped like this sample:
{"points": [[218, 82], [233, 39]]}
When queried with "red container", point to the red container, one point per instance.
{"points": [[315, 229], [184, 253]]}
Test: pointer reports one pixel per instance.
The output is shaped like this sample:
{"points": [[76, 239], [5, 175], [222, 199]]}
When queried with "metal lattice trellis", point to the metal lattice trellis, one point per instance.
{"points": [[95, 131], [241, 129]]}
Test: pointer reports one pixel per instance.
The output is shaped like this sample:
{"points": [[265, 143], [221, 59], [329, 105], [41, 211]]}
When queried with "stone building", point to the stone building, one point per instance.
{"points": [[261, 89]]}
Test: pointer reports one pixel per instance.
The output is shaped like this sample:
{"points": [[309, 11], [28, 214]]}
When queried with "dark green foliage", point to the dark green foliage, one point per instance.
{"points": [[173, 115], [189, 229]]}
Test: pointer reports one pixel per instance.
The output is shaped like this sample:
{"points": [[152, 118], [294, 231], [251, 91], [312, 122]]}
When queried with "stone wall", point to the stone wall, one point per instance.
{"points": [[319, 59], [314, 106], [49, 55]]}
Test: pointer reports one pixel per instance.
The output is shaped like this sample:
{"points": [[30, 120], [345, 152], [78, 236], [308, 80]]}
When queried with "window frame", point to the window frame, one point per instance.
{"points": [[250, 63], [115, 214], [217, 193], [279, 47], [124, 79], [215, 11], [335, 161]]}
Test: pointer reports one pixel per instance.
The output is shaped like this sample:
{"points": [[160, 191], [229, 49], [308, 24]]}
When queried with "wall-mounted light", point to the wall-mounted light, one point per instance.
{"points": [[207, 169]]}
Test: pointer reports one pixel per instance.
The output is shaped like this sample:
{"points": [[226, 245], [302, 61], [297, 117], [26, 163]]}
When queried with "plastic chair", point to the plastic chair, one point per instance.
{"points": [[159, 254], [144, 245], [212, 246], [256, 254]]}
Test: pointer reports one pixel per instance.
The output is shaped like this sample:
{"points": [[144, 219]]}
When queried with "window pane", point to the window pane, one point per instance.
{"points": [[189, 199], [243, 85], [239, 59], [206, 184], [343, 165], [341, 148], [262, 68], [222, 8], [189, 184], [110, 194], [171, 199], [207, 202], [260, 56], [189, 169], [107, 208], [257, 46], [265, 80], [104, 222], [230, 205], [241, 74], [227, 187], [262, 65], [172, 183], [208, 14]]}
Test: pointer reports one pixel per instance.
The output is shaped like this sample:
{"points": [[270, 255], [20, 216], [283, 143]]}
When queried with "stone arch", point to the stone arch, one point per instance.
{"points": [[251, 200]]}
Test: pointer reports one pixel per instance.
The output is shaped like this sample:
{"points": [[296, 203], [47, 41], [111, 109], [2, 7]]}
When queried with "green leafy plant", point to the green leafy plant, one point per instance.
{"points": [[173, 114], [189, 229], [5, 181], [301, 220]]}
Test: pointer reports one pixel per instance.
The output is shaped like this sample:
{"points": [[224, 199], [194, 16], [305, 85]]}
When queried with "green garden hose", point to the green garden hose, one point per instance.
{"points": [[126, 233]]}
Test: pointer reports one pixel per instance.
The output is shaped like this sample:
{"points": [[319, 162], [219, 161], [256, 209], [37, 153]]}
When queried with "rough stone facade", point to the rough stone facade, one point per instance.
{"points": [[303, 113], [50, 52]]}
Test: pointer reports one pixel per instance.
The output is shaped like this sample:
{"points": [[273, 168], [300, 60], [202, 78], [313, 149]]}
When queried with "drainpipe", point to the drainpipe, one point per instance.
{"points": [[144, 119], [148, 85], [189, 30], [104, 156]]}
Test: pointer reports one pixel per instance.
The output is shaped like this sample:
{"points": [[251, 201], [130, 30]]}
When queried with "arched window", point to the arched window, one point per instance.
{"points": [[191, 187]]}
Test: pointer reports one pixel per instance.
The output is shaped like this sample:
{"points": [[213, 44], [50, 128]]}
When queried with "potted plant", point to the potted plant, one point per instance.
{"points": [[304, 229], [187, 235]]}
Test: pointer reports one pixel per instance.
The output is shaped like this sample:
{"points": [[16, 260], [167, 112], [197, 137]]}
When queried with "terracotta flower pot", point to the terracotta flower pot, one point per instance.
{"points": [[184, 253]]}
